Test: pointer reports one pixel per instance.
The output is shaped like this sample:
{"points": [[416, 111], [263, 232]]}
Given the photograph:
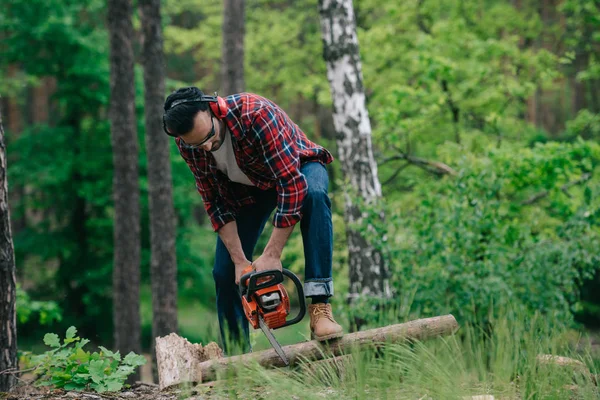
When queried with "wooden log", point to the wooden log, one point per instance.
{"points": [[549, 359], [177, 359], [566, 362], [420, 329]]}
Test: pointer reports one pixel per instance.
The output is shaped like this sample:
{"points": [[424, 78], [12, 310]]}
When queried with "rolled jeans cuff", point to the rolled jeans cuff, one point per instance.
{"points": [[318, 287]]}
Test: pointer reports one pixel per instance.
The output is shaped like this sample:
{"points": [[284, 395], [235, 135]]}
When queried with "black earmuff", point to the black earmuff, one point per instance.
{"points": [[217, 104]]}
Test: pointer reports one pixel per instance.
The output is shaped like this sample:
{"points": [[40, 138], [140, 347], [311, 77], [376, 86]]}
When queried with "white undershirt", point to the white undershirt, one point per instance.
{"points": [[226, 162]]}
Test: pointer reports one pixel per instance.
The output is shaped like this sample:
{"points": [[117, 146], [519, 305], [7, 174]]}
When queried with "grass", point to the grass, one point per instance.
{"points": [[502, 363]]}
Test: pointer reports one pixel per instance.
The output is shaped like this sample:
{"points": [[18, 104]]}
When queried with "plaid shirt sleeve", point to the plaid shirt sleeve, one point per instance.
{"points": [[217, 209], [274, 140]]}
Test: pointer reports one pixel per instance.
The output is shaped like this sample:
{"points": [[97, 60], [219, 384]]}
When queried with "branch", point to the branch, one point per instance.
{"points": [[15, 371], [453, 108], [420, 19], [395, 174], [435, 167], [564, 188]]}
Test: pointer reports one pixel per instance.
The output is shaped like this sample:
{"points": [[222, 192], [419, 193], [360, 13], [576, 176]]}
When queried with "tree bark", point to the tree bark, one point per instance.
{"points": [[126, 269], [8, 284], [163, 264], [232, 68], [196, 368], [15, 125], [367, 268]]}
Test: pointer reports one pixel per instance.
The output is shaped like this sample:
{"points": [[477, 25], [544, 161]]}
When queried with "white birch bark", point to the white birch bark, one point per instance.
{"points": [[368, 272]]}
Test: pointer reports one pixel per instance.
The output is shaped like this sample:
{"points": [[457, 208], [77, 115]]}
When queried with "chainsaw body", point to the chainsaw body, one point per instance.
{"points": [[264, 296]]}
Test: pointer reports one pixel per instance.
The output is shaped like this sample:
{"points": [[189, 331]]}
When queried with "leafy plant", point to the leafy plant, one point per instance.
{"points": [[47, 311], [515, 227], [70, 367]]}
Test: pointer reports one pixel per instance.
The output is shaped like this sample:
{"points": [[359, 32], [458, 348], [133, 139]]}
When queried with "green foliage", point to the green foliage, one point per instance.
{"points": [[70, 367], [585, 124], [434, 73], [48, 311], [516, 227], [441, 70], [582, 18]]}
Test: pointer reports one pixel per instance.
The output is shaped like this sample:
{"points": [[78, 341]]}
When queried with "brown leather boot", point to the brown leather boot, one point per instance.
{"points": [[322, 325]]}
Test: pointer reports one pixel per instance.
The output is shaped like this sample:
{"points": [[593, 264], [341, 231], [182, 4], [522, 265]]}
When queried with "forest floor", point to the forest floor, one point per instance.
{"points": [[138, 391], [271, 388]]}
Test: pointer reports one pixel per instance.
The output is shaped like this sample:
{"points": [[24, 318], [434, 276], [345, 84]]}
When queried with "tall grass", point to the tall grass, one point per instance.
{"points": [[500, 360]]}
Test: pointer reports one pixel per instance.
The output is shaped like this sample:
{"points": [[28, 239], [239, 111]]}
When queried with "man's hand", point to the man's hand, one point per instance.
{"points": [[239, 268], [266, 262]]}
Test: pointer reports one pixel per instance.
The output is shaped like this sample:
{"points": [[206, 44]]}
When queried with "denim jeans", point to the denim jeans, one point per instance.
{"points": [[317, 236]]}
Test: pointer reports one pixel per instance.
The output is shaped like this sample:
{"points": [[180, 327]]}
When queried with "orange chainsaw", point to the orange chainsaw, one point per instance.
{"points": [[267, 304]]}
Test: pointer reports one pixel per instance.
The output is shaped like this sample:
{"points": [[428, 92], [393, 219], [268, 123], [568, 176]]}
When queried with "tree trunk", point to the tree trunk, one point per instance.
{"points": [[40, 102], [8, 284], [14, 126], [126, 269], [368, 271], [232, 68], [178, 359], [163, 264], [196, 364]]}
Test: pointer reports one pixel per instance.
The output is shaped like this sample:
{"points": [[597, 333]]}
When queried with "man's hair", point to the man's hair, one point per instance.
{"points": [[179, 115]]}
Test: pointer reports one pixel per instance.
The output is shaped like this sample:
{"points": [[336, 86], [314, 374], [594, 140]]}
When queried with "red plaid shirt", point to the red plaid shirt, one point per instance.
{"points": [[269, 148]]}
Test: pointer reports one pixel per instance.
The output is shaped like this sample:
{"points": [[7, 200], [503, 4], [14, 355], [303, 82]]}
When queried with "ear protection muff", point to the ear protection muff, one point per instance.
{"points": [[217, 104]]}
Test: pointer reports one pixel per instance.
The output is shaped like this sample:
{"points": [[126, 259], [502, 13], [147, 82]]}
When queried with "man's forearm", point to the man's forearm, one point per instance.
{"points": [[229, 235], [277, 241]]}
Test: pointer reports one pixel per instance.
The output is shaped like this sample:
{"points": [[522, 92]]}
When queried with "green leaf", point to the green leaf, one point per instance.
{"points": [[71, 332], [134, 360], [80, 356], [113, 385], [108, 353], [97, 370], [52, 340], [99, 387]]}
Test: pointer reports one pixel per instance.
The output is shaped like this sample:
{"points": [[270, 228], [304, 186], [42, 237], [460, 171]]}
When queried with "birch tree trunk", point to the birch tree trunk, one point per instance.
{"points": [[367, 268], [163, 263], [8, 284], [126, 268], [232, 75]]}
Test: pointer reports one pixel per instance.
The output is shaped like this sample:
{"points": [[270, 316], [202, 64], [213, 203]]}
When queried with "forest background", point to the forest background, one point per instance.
{"points": [[485, 123]]}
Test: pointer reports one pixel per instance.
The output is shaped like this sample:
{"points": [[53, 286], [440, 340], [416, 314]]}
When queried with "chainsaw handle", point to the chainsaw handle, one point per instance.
{"points": [[275, 275], [301, 299]]}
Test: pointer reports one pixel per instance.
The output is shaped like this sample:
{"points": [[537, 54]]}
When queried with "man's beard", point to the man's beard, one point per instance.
{"points": [[217, 145]]}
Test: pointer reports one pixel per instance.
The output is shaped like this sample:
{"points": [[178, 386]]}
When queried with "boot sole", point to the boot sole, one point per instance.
{"points": [[326, 337]]}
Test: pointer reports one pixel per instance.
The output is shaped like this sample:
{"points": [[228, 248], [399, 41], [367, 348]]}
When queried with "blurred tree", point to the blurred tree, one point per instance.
{"points": [[232, 62], [15, 126], [8, 284], [64, 251], [367, 268], [126, 268], [582, 42], [163, 262]]}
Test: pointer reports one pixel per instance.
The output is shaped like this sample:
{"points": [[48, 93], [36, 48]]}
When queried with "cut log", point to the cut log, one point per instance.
{"points": [[549, 359], [177, 360], [199, 369], [566, 362]]}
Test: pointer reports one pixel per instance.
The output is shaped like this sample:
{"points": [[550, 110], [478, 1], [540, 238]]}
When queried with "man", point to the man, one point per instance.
{"points": [[248, 159]]}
